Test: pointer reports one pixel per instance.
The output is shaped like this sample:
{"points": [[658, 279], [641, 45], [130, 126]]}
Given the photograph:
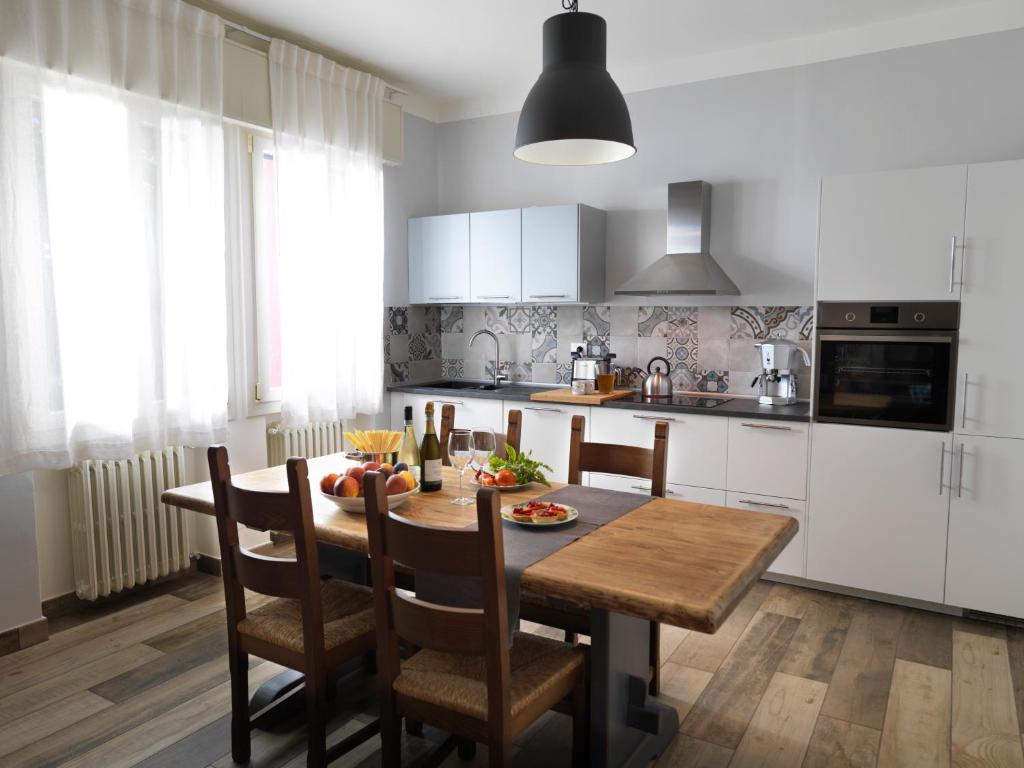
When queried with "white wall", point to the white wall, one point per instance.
{"points": [[762, 140], [19, 574]]}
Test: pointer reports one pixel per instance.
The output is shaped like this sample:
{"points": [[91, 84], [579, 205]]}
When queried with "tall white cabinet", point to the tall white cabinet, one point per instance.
{"points": [[991, 359], [891, 236]]}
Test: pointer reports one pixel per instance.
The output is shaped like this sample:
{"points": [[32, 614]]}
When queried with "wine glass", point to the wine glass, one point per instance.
{"points": [[483, 446], [460, 452]]}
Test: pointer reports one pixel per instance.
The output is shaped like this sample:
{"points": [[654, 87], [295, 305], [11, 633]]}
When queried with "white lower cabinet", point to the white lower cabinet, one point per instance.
{"points": [[546, 430], [672, 490], [985, 570], [768, 457], [469, 412], [697, 445], [790, 560], [878, 509]]}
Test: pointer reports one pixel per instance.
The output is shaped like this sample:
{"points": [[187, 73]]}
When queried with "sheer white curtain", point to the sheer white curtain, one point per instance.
{"points": [[327, 135], [112, 294]]}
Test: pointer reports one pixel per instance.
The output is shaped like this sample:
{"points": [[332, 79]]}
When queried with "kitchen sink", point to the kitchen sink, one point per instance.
{"points": [[463, 385]]}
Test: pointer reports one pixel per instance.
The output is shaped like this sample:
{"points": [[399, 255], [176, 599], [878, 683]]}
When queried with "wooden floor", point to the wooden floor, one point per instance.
{"points": [[795, 678]]}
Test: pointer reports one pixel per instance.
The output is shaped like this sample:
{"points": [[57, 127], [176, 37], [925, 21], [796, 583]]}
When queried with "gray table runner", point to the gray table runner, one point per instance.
{"points": [[525, 546]]}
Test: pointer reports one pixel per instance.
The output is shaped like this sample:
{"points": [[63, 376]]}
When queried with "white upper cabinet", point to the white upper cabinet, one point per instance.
{"points": [[878, 509], [985, 570], [495, 248], [439, 259], [563, 254], [991, 368], [891, 236]]}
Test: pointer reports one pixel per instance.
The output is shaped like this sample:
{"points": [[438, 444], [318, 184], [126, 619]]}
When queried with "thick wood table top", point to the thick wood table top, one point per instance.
{"points": [[671, 561]]}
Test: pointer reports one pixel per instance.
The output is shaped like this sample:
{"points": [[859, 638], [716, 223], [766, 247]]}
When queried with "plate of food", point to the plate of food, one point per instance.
{"points": [[539, 513], [346, 489], [514, 473]]}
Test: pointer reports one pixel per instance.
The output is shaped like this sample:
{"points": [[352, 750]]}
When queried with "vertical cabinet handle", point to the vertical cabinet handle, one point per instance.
{"points": [[963, 411], [960, 479], [942, 467], [952, 262]]}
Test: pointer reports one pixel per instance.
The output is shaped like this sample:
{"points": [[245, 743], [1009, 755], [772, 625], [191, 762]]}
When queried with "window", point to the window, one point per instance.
{"points": [[266, 275]]}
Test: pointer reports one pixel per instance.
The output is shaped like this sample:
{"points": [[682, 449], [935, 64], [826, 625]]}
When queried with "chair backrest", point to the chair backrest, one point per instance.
{"points": [[647, 463], [454, 552], [290, 511], [511, 436]]}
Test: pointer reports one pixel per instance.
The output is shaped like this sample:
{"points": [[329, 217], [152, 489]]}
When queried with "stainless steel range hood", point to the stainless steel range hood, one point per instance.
{"points": [[688, 268]]}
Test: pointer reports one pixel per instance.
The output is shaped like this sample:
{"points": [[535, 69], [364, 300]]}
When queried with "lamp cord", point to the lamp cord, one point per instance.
{"points": [[571, 5]]}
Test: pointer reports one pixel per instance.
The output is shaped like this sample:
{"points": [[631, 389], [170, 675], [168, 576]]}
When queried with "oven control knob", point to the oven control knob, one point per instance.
{"points": [[850, 317], [919, 317]]}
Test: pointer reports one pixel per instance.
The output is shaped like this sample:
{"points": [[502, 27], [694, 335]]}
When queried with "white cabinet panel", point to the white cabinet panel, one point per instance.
{"points": [[878, 509], [439, 259], [469, 412], [551, 253], [495, 252], [768, 457], [697, 445], [546, 430], [673, 491], [989, 359], [790, 560], [889, 236], [985, 570]]}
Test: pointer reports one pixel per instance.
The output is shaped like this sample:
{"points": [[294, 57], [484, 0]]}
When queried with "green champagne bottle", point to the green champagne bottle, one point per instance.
{"points": [[430, 455]]}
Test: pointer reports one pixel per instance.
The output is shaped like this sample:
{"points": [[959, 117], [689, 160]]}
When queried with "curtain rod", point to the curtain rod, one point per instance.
{"points": [[267, 38]]}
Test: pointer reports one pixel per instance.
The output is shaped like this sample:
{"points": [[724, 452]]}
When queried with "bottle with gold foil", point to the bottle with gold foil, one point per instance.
{"points": [[430, 455]]}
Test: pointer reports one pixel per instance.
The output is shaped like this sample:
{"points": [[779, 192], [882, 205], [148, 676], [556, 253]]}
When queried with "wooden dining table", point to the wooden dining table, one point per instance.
{"points": [[669, 561]]}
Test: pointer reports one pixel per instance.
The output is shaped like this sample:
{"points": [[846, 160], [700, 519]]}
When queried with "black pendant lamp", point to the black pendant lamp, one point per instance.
{"points": [[574, 114]]}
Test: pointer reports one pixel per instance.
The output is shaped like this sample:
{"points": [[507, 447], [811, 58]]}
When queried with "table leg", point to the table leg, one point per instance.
{"points": [[627, 728], [281, 696]]}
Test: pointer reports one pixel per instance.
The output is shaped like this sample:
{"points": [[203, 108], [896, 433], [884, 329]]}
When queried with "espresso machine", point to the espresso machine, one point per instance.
{"points": [[776, 385]]}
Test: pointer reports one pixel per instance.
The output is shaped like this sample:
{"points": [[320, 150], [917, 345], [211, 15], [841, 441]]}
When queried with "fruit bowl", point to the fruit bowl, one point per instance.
{"points": [[358, 503]]}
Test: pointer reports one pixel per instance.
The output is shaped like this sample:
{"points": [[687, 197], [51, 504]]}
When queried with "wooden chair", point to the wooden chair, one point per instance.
{"points": [[312, 627], [512, 434], [465, 680], [645, 463]]}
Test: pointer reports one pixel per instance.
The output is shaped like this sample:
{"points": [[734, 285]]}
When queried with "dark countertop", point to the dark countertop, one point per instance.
{"points": [[739, 407], [742, 407]]}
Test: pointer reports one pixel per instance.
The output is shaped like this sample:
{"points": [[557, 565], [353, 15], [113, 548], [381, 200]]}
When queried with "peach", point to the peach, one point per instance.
{"points": [[410, 481], [327, 483], [387, 469], [396, 484], [347, 487], [356, 473], [371, 466]]}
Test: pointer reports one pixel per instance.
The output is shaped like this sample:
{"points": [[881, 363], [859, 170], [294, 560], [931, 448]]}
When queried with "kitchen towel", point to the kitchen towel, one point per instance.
{"points": [[525, 546]]}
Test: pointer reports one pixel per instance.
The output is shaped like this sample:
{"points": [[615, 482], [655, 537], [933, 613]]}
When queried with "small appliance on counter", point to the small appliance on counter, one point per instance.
{"points": [[657, 385], [776, 384], [585, 368]]}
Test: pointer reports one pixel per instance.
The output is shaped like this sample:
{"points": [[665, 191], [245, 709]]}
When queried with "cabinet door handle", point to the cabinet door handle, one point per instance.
{"points": [[450, 402], [443, 298], [753, 503], [653, 418], [960, 479], [547, 295], [494, 297], [765, 426], [963, 411], [952, 262], [543, 410], [647, 489], [942, 467]]}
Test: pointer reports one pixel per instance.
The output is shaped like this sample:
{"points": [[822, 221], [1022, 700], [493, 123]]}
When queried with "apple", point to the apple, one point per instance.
{"points": [[347, 487], [396, 484], [356, 473]]}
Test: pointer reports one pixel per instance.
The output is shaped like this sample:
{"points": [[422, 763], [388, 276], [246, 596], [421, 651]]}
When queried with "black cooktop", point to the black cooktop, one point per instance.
{"points": [[688, 400]]}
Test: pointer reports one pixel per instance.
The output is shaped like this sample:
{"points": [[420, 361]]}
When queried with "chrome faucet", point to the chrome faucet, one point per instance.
{"points": [[497, 352]]}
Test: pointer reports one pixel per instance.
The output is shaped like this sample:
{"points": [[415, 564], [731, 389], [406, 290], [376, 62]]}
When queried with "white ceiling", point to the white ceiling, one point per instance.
{"points": [[462, 59]]}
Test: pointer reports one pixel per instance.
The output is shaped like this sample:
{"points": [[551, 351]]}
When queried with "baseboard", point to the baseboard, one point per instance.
{"points": [[64, 605], [880, 597], [24, 636], [208, 564]]}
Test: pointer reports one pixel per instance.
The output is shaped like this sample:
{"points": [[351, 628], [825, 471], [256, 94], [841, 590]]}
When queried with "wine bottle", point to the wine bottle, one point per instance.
{"points": [[430, 455], [410, 453]]}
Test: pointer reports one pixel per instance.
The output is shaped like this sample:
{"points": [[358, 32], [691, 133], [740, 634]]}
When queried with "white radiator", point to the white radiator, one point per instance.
{"points": [[318, 439], [121, 534]]}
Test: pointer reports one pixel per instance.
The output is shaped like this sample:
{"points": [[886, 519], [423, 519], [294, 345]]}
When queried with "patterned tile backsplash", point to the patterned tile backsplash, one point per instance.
{"points": [[710, 349]]}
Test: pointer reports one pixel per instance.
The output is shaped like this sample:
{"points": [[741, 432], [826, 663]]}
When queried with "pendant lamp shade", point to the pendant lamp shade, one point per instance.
{"points": [[574, 114]]}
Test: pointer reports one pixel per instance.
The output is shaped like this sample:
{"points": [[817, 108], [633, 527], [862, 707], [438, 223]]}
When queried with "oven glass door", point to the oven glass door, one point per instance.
{"points": [[897, 380]]}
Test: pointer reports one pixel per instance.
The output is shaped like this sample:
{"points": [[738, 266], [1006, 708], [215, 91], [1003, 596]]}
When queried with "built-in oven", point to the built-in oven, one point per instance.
{"points": [[887, 365]]}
